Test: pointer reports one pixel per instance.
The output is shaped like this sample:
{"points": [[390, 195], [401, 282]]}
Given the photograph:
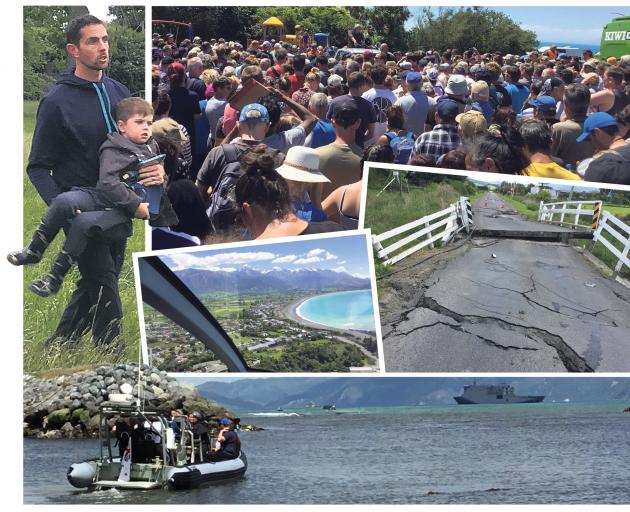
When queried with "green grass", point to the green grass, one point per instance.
{"points": [[524, 208], [42, 315], [392, 209], [621, 212]]}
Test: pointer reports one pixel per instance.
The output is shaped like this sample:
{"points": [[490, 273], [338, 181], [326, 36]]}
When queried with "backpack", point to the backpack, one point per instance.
{"points": [[222, 211], [402, 146]]}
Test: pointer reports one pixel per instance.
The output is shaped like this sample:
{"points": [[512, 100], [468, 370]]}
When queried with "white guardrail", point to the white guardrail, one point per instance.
{"points": [[614, 227], [547, 211], [449, 221]]}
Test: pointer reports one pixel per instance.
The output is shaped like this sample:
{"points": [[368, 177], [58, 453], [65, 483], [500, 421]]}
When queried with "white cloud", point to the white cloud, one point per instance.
{"points": [[285, 259], [320, 252], [340, 268], [305, 261], [212, 261]]}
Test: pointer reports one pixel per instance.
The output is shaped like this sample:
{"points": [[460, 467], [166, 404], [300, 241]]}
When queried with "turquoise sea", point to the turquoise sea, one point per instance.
{"points": [[343, 310]]}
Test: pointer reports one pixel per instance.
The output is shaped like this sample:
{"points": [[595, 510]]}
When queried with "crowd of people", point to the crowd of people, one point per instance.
{"points": [[268, 139]]}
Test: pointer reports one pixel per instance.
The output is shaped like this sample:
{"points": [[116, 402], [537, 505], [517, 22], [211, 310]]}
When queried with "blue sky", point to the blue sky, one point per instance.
{"points": [[581, 25], [343, 254]]}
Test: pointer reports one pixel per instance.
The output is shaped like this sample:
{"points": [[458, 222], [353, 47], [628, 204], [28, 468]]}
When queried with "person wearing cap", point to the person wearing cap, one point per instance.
{"points": [[480, 100], [357, 85], [456, 91], [564, 134], [471, 126], [229, 445], [432, 76], [444, 136], [334, 87], [544, 108], [340, 161], [536, 136], [301, 171], [415, 104], [612, 163], [253, 125], [200, 430], [612, 98]]}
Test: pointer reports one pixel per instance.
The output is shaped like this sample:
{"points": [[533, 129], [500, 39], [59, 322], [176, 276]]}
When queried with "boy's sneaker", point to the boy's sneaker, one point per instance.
{"points": [[45, 287], [24, 257]]}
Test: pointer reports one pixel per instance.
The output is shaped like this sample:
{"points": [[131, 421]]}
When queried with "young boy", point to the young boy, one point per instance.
{"points": [[121, 156]]}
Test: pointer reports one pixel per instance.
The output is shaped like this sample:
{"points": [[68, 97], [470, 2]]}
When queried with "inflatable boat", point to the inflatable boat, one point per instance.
{"points": [[160, 458]]}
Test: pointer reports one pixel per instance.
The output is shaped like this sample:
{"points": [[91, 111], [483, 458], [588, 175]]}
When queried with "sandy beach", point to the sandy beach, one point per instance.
{"points": [[290, 312]]}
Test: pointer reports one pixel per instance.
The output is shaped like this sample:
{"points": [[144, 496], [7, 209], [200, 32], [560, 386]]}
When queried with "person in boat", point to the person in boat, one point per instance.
{"points": [[229, 443], [200, 430], [176, 414], [122, 431]]}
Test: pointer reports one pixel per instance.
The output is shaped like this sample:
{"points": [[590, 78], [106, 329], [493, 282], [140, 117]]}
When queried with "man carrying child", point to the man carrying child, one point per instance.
{"points": [[73, 121]]}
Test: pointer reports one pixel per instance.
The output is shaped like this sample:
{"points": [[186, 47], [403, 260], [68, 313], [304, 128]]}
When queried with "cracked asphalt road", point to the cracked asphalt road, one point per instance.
{"points": [[537, 306], [491, 212]]}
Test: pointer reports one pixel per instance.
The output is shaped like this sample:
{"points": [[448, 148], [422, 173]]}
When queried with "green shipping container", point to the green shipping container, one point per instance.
{"points": [[616, 38]]}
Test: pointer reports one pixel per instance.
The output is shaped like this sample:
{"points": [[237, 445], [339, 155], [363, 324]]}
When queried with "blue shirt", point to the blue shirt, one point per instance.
{"points": [[322, 135], [519, 94]]}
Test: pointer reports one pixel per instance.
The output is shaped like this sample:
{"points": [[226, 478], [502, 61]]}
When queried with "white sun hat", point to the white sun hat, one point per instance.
{"points": [[302, 164]]}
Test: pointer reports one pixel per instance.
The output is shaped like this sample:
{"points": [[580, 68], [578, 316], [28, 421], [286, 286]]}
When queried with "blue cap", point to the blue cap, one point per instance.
{"points": [[254, 112], [447, 109], [413, 77], [224, 421], [543, 103], [596, 120]]}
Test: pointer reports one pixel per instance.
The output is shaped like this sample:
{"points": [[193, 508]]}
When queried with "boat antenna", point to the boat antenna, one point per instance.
{"points": [[139, 400]]}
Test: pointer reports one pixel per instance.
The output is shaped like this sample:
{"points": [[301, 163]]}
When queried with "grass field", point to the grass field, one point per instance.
{"points": [[42, 315], [392, 209]]}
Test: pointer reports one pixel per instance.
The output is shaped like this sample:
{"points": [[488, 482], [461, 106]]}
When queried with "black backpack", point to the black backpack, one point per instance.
{"points": [[222, 211]]}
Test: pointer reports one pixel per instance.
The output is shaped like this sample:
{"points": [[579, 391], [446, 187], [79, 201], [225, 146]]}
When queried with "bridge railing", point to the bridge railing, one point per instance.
{"points": [[439, 226], [547, 213], [620, 231]]}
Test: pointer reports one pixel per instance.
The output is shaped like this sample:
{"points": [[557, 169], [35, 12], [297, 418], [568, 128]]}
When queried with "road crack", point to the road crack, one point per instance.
{"points": [[570, 359]]}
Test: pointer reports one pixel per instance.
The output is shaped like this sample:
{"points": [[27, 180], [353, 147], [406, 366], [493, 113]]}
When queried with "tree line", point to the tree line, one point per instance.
{"points": [[461, 28], [45, 57]]}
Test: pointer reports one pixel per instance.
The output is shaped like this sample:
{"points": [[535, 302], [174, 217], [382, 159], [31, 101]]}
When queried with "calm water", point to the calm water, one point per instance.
{"points": [[345, 310], [536, 453]]}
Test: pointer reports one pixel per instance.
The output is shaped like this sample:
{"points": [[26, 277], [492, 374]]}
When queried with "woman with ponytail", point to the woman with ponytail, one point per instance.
{"points": [[499, 151], [264, 202]]}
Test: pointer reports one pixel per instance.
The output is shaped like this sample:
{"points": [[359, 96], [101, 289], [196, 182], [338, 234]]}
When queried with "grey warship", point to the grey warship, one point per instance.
{"points": [[494, 394]]}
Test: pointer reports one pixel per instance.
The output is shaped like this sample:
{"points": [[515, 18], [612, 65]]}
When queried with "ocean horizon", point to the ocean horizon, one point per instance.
{"points": [[581, 46]]}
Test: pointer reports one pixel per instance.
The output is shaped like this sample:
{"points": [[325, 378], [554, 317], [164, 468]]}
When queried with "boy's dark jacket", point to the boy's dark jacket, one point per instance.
{"points": [[119, 158]]}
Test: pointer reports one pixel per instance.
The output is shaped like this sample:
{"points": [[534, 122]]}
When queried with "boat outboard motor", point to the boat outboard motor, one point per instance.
{"points": [[81, 474]]}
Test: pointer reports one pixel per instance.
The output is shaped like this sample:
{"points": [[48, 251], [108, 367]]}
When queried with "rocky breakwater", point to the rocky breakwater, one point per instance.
{"points": [[67, 406]]}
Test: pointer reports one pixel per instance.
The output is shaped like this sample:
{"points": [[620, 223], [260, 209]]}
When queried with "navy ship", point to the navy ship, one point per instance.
{"points": [[494, 394]]}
